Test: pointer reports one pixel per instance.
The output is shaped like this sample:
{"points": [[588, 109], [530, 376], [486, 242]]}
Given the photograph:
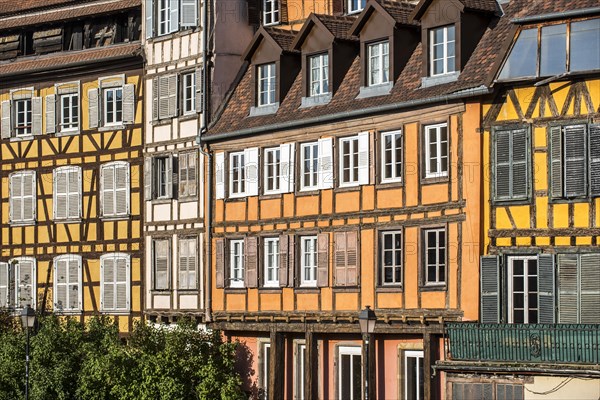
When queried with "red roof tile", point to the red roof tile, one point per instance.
{"points": [[529, 8]]}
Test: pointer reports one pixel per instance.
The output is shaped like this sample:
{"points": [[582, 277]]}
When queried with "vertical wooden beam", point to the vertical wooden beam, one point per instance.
{"points": [[372, 373], [430, 355], [277, 366], [311, 367]]}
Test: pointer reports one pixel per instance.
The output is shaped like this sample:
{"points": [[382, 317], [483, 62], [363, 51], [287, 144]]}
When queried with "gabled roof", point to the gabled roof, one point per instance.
{"points": [[541, 8], [337, 26], [397, 12], [483, 6], [280, 38]]}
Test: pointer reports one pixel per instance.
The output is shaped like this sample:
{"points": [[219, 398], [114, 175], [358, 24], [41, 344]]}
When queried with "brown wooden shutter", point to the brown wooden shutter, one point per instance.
{"points": [[283, 260], [283, 12], [220, 263], [352, 260], [251, 261], [323, 260], [291, 260], [338, 6], [254, 7], [339, 259]]}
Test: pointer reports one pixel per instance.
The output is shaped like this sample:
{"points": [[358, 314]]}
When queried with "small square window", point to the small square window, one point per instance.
{"points": [[442, 45], [378, 68], [266, 84]]}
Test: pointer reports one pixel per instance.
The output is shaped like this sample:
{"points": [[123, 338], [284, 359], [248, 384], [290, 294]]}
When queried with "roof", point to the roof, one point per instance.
{"points": [[400, 10], [63, 60], [62, 10], [476, 73], [484, 6], [528, 8], [283, 37], [339, 26]]}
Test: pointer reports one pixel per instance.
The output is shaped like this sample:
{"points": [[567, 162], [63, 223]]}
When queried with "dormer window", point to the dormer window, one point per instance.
{"points": [[270, 12], [266, 84], [379, 63], [319, 74], [355, 6], [442, 47]]}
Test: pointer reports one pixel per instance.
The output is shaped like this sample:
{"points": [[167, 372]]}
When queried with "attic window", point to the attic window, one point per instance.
{"points": [[266, 84], [270, 12], [379, 63], [442, 47], [319, 74], [355, 6]]}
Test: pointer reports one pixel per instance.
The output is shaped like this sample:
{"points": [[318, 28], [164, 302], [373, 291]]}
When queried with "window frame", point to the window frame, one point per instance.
{"points": [[510, 287], [240, 178], [169, 262], [161, 181], [313, 173], [426, 153], [14, 265], [69, 310], [26, 128], [79, 193], [116, 102], [33, 196], [394, 161], [238, 282], [274, 15], [73, 102], [187, 155], [114, 165], [353, 158], [116, 310], [419, 355], [188, 84], [181, 241], [276, 166], [445, 46], [270, 81], [323, 70], [437, 284], [274, 256], [382, 267], [383, 68], [348, 350], [312, 269], [163, 17], [360, 5]]}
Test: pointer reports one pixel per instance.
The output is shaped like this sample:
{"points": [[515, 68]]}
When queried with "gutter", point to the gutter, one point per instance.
{"points": [[481, 90], [557, 15]]}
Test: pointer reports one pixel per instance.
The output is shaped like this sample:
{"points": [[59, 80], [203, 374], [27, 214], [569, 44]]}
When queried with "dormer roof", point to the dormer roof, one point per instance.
{"points": [[336, 27], [396, 12], [481, 6], [279, 38]]}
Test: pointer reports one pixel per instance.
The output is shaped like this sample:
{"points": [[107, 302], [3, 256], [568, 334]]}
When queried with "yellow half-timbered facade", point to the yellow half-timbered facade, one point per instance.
{"points": [[71, 162]]}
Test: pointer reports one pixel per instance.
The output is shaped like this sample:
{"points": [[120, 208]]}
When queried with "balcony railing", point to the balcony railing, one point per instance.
{"points": [[552, 343]]}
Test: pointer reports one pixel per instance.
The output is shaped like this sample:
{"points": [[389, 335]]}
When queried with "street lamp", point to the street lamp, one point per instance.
{"points": [[367, 320], [28, 322]]}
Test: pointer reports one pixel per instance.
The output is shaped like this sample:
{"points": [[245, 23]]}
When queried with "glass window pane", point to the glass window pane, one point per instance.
{"points": [[554, 50], [585, 45], [523, 57]]}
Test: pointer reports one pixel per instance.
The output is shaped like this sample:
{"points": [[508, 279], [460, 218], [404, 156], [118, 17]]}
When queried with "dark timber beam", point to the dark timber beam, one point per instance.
{"points": [[311, 367], [277, 366]]}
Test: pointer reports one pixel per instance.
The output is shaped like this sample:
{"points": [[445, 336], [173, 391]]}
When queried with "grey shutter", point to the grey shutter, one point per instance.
{"points": [[161, 263], [122, 283], [183, 177], [16, 197], [220, 263], [323, 260], [107, 299], [4, 285], [5, 129], [251, 261], [556, 173], [29, 196], [339, 259], [590, 289], [189, 13], [121, 188], [107, 200], [546, 288], [128, 103], [575, 165], [148, 178], [594, 150], [502, 165], [36, 112], [283, 260], [163, 97], [520, 164], [51, 113], [169, 176], [61, 284], [568, 306], [192, 174], [25, 284], [155, 98], [490, 289], [74, 264], [200, 95], [363, 158], [149, 20], [174, 16], [172, 95], [94, 112]]}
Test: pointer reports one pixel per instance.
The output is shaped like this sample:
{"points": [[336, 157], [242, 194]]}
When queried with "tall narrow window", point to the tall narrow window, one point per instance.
{"points": [[378, 69], [23, 117], [511, 174], [266, 84], [355, 6], [163, 17], [115, 182], [69, 112], [188, 263], [22, 197], [553, 43], [310, 165], [308, 257], [265, 352], [391, 258], [349, 160], [523, 290], [237, 165], [272, 170], [271, 261], [161, 263], [434, 241], [115, 271], [270, 12], [391, 160], [236, 262], [442, 50], [162, 175], [350, 373], [319, 74], [113, 106], [67, 283], [24, 275], [189, 92], [188, 174], [436, 151], [413, 375], [67, 193], [300, 370]]}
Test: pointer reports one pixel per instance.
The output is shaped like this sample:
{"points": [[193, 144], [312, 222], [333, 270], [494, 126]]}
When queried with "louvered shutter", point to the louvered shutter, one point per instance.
{"points": [[490, 289], [25, 283], [291, 274], [220, 263], [323, 260], [61, 193], [556, 172], [36, 113], [122, 283], [338, 6], [172, 95], [61, 284], [283, 11], [590, 289], [575, 165], [325, 163], [5, 129], [546, 288], [94, 111], [182, 164], [520, 164], [161, 264], [169, 176], [283, 260], [192, 174], [189, 13], [4, 284], [363, 158], [29, 197], [199, 87], [75, 297], [502, 164], [251, 158], [286, 177], [251, 261], [254, 7], [148, 179], [149, 10], [220, 175], [155, 98], [121, 189], [74, 193], [16, 197], [352, 258], [163, 96], [128, 104], [174, 16], [339, 276], [107, 301], [107, 177], [187, 263], [568, 305], [51, 113], [594, 150]]}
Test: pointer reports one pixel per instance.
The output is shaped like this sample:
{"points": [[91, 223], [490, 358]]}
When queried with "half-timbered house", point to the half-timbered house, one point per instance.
{"points": [[71, 157]]}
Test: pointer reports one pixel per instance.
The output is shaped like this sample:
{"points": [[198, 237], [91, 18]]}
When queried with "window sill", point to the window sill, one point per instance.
{"points": [[108, 128], [235, 290], [187, 291], [307, 289], [347, 188], [429, 81], [67, 133], [341, 289], [433, 288], [23, 138], [162, 201], [313, 101], [67, 312], [517, 202], [115, 312], [270, 289], [115, 218], [257, 111], [242, 196], [390, 185], [188, 116], [171, 35], [389, 289], [308, 192], [434, 180], [375, 90], [67, 221], [161, 291], [271, 196], [23, 223], [187, 199]]}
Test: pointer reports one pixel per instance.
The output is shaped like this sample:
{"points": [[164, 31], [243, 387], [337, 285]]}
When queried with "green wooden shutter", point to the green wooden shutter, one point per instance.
{"points": [[575, 163], [502, 165], [589, 273], [556, 172], [594, 169], [520, 164], [568, 305], [490, 289], [546, 288]]}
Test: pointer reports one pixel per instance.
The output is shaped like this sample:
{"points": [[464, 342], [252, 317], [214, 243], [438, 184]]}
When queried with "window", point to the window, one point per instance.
{"points": [[391, 258], [163, 17], [350, 373], [188, 174], [346, 258], [115, 271], [308, 257], [270, 12], [553, 50], [17, 283], [113, 106], [265, 352], [271, 261], [310, 165], [242, 171], [236, 262], [23, 117], [266, 84], [355, 5], [378, 71], [391, 160], [442, 50], [167, 16], [174, 95], [22, 197], [435, 256], [188, 263], [114, 189], [511, 159], [163, 167], [523, 290], [574, 161], [578, 288], [436, 151], [300, 370], [354, 160], [189, 93], [413, 375], [238, 173], [491, 390], [164, 91], [67, 193], [319, 74], [69, 112], [67, 283], [272, 170], [161, 263]]}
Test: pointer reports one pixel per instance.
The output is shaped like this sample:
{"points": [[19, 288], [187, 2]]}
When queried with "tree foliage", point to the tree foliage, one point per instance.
{"points": [[71, 360]]}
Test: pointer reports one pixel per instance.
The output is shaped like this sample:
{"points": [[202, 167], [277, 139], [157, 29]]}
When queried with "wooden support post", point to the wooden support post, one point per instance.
{"points": [[372, 367], [311, 367], [277, 366], [430, 355]]}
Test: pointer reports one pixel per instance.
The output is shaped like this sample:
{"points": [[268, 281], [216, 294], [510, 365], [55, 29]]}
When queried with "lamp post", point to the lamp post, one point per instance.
{"points": [[367, 320], [28, 322]]}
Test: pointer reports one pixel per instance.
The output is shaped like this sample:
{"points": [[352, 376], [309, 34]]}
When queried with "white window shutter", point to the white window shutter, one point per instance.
{"points": [[61, 193], [4, 285], [51, 113], [122, 283], [174, 16], [36, 112], [122, 189], [128, 103], [16, 197], [200, 96], [220, 175], [61, 283], [189, 13], [5, 130], [75, 192], [107, 298], [29, 196], [251, 158], [148, 178], [149, 11], [155, 98], [107, 198], [325, 163], [172, 95], [80, 284], [73, 278], [363, 158], [94, 112], [25, 283], [286, 178], [169, 176], [161, 263]]}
